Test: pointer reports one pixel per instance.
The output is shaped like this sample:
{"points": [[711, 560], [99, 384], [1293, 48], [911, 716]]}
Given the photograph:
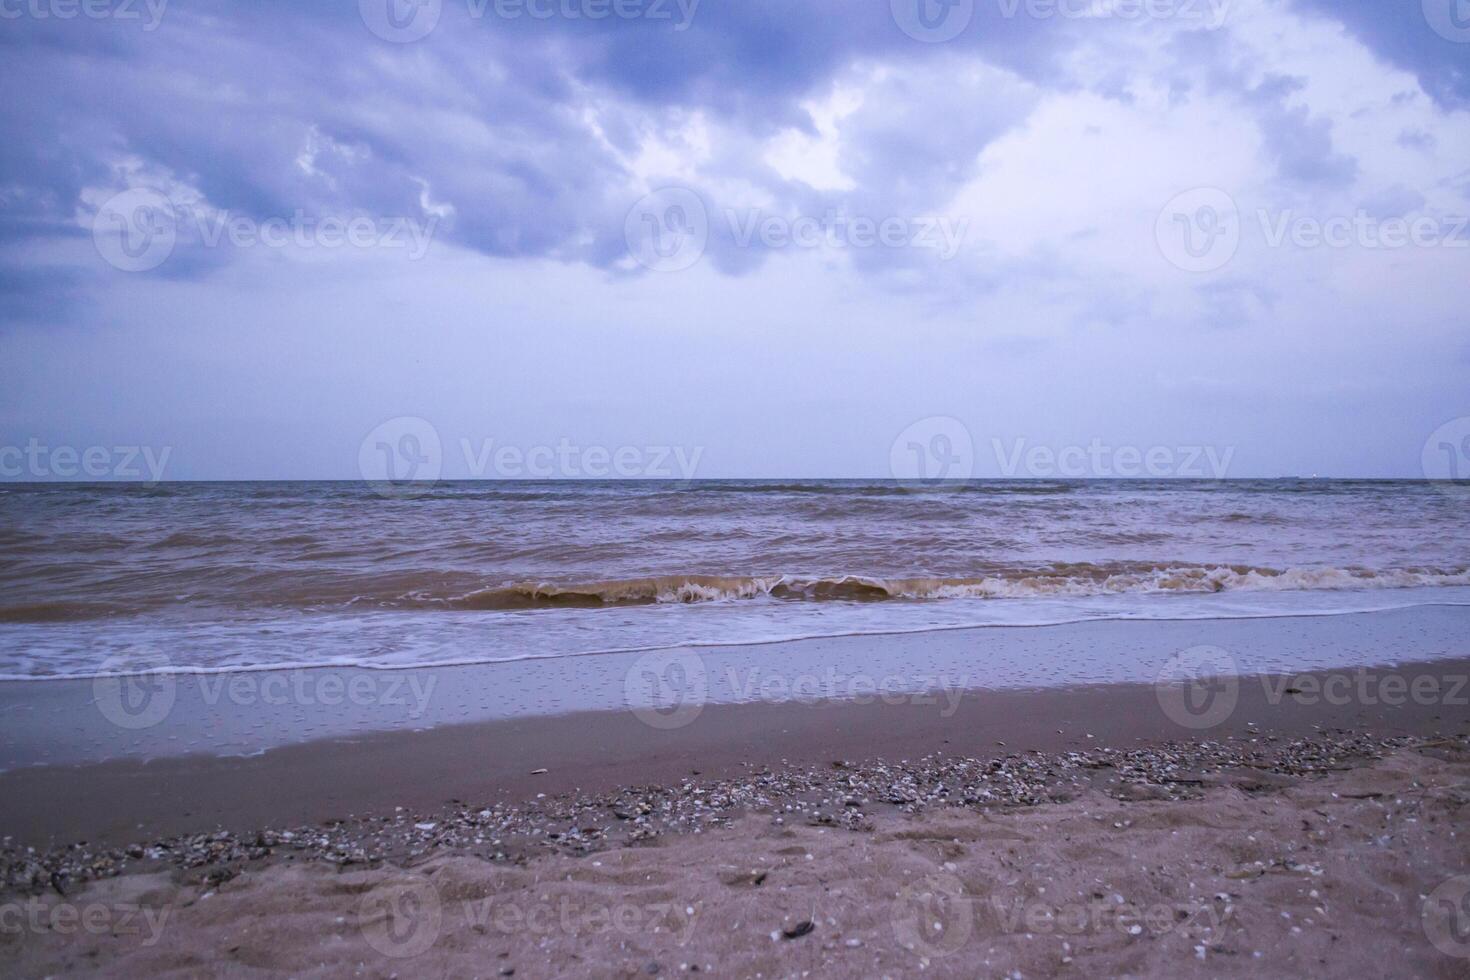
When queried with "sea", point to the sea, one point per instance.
{"points": [[100, 579]]}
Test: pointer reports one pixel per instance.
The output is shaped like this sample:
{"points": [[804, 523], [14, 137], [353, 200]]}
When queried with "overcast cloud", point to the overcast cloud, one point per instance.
{"points": [[780, 232]]}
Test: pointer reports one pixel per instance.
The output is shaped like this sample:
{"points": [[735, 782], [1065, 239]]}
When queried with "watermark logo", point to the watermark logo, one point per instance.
{"points": [[936, 448], [667, 230], [1446, 917], [401, 21], [135, 231], [934, 918], [932, 21], [1199, 230], [135, 691], [666, 689], [401, 918], [1198, 688], [1450, 19], [1446, 456], [401, 458]]}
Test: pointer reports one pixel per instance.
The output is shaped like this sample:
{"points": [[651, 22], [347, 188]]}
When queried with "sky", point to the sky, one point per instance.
{"points": [[708, 238]]}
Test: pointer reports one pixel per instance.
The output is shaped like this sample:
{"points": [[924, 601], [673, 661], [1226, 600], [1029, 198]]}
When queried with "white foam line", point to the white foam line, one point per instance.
{"points": [[715, 644]]}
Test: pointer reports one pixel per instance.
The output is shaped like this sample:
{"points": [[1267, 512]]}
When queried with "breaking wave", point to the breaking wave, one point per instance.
{"points": [[1072, 580]]}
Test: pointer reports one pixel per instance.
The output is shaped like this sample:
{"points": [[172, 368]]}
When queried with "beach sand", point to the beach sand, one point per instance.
{"points": [[1254, 871], [1065, 831]]}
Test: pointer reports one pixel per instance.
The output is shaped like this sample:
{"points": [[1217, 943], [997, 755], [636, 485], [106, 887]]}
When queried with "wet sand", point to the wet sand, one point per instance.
{"points": [[70, 721], [119, 802]]}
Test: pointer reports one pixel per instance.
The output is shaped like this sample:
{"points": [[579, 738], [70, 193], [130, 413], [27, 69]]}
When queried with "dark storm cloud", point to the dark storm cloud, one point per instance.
{"points": [[515, 134], [485, 114], [1401, 33]]}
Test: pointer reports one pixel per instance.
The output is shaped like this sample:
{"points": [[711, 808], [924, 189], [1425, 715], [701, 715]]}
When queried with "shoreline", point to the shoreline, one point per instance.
{"points": [[507, 761], [244, 713], [715, 646]]}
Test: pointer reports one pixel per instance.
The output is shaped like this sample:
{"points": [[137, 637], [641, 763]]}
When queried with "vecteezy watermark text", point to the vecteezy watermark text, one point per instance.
{"points": [[406, 21], [149, 12], [320, 688], [1101, 460], [936, 916], [138, 229], [1363, 230], [1201, 687], [781, 687], [941, 447], [1202, 229], [834, 229], [37, 916], [679, 12], [139, 692], [668, 689], [404, 917], [1369, 687], [669, 229], [936, 21], [1101, 915], [38, 461], [404, 457], [569, 916], [567, 460], [1208, 13]]}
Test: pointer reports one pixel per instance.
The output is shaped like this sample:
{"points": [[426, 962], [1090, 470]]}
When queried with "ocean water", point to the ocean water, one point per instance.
{"points": [[103, 579]]}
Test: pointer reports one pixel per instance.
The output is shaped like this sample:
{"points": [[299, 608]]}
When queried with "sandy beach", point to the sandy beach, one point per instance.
{"points": [[1310, 858], [1066, 831]]}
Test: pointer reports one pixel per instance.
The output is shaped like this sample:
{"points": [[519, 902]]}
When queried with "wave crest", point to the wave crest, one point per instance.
{"points": [[1060, 581]]}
